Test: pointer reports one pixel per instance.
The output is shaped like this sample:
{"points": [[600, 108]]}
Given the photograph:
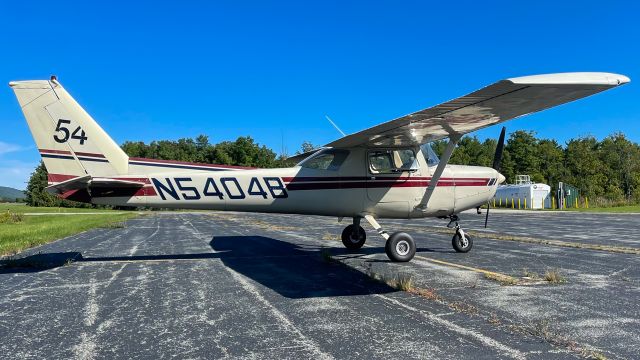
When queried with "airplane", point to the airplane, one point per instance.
{"points": [[386, 171]]}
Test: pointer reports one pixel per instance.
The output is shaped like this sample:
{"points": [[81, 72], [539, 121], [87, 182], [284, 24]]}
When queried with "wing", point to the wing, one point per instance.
{"points": [[496, 103]]}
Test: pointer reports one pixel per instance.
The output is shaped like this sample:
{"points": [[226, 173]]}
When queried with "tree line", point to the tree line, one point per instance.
{"points": [[606, 170]]}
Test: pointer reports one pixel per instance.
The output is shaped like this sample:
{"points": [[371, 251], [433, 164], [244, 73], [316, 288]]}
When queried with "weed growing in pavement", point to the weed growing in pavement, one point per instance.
{"points": [[494, 319], [402, 282], [554, 277], [504, 280], [530, 274], [331, 237]]}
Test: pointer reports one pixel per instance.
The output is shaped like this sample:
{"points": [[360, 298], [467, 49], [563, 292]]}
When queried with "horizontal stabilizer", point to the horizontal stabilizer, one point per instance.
{"points": [[87, 182]]}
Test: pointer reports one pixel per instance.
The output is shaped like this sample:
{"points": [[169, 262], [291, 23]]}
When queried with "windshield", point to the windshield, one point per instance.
{"points": [[327, 159], [429, 154]]}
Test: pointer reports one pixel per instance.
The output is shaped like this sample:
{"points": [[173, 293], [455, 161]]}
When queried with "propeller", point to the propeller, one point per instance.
{"points": [[497, 159], [497, 162]]}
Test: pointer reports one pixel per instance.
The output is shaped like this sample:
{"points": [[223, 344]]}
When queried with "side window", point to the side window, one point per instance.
{"points": [[327, 159], [391, 160]]}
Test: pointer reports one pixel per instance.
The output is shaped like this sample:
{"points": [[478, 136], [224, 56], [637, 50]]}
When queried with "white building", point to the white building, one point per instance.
{"points": [[535, 196]]}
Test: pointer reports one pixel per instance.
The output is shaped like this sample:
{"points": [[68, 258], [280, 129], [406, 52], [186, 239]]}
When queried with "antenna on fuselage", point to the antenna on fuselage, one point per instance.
{"points": [[335, 126]]}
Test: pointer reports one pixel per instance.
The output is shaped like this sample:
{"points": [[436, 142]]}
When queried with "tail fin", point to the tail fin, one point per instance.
{"points": [[70, 142]]}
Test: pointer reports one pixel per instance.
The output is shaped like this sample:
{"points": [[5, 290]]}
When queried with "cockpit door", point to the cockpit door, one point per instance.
{"points": [[394, 175]]}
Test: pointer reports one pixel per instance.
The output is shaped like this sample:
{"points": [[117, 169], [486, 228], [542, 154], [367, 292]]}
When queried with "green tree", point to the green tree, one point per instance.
{"points": [[585, 169], [621, 163], [38, 196], [551, 156], [521, 156], [306, 147]]}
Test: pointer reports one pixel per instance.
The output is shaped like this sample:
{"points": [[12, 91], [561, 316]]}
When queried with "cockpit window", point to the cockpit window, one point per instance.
{"points": [[392, 160], [327, 159], [429, 154]]}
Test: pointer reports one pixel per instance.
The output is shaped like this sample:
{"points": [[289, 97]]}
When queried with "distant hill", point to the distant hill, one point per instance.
{"points": [[11, 194]]}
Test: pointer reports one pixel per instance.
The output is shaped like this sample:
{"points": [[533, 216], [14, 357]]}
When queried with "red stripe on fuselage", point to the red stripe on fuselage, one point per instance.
{"points": [[188, 163], [374, 184], [373, 178]]}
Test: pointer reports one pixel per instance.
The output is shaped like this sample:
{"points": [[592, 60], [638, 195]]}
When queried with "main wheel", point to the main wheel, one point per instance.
{"points": [[353, 241], [461, 245], [400, 247]]}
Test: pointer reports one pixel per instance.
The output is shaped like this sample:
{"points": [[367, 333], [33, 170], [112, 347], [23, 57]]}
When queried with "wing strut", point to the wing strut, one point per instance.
{"points": [[444, 160]]}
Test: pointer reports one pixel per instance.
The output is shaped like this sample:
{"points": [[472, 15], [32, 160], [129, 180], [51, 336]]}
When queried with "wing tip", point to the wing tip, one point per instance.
{"points": [[574, 78]]}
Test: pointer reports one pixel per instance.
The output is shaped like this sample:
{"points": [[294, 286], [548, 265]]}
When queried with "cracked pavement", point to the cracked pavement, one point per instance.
{"points": [[216, 285]]}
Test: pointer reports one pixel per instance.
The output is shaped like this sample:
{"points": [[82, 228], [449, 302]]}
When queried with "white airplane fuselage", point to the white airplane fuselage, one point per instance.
{"points": [[352, 190]]}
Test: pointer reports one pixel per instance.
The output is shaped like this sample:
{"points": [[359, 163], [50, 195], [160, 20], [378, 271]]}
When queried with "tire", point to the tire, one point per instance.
{"points": [[353, 243], [400, 247], [456, 241]]}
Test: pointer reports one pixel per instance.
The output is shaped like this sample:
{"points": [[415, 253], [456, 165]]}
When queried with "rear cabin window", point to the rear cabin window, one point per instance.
{"points": [[327, 159], [391, 160]]}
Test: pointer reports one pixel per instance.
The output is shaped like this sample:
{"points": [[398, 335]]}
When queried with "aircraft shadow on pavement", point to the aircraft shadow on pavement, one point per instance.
{"points": [[293, 271], [38, 262]]}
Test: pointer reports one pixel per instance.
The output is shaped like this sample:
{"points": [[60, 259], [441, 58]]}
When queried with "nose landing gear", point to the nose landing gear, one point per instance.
{"points": [[461, 241]]}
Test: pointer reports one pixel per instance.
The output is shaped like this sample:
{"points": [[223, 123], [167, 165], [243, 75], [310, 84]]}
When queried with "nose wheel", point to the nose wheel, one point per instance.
{"points": [[461, 241]]}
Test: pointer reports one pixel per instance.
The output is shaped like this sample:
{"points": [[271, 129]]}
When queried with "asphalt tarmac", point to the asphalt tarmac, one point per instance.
{"points": [[231, 285]]}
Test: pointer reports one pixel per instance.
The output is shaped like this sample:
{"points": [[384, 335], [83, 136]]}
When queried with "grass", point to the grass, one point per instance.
{"points": [[610, 209], [530, 274], [22, 209], [403, 282], [331, 237], [504, 280], [37, 230], [9, 217], [554, 277]]}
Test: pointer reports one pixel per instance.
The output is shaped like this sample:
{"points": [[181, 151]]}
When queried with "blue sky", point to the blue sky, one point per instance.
{"points": [[165, 70]]}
